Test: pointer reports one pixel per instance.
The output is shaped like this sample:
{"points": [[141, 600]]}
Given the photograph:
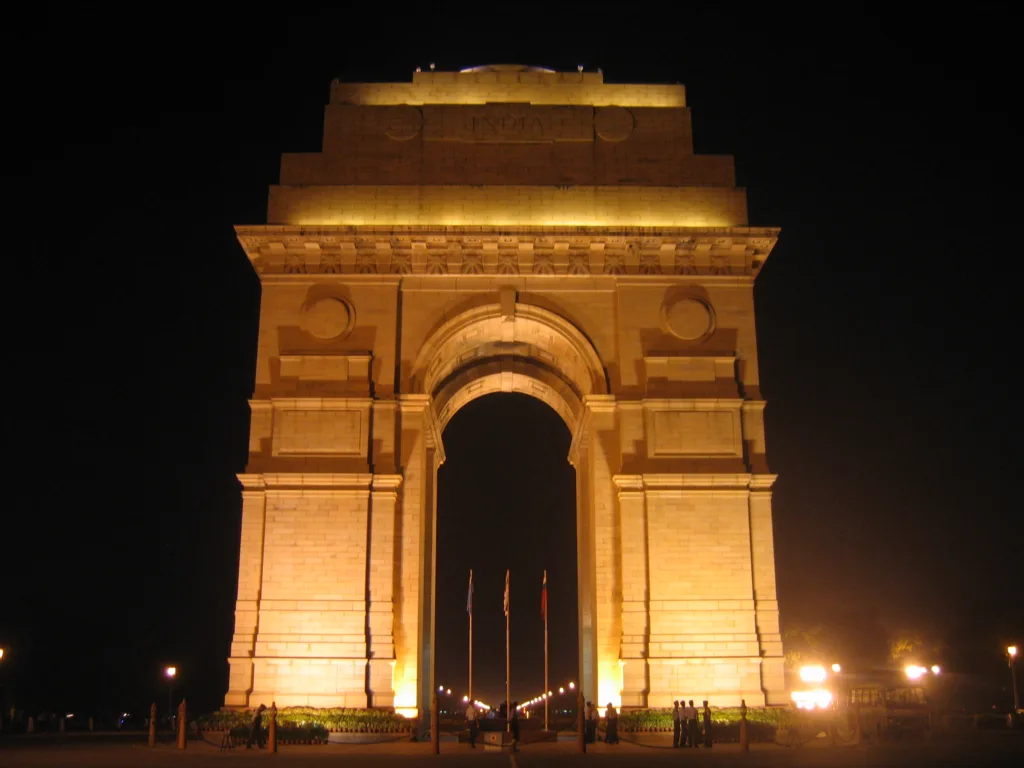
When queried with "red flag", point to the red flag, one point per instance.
{"points": [[544, 597]]}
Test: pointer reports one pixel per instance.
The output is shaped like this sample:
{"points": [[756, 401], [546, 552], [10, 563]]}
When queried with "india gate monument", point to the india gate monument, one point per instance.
{"points": [[506, 229]]}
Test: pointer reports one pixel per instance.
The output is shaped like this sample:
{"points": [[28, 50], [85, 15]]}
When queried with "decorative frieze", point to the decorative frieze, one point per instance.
{"points": [[294, 250]]}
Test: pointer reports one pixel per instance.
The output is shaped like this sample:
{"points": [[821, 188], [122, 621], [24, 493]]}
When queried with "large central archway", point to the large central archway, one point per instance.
{"points": [[514, 348]]}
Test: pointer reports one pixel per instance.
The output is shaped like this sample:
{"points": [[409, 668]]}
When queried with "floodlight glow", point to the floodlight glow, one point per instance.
{"points": [[936, 669], [1012, 650], [171, 671], [914, 672], [836, 668], [561, 690], [812, 673], [818, 698], [572, 686]]}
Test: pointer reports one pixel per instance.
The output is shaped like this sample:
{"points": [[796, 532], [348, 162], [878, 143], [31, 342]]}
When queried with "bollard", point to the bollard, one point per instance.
{"points": [[152, 725], [435, 722], [90, 723], [744, 741], [31, 724], [272, 730], [182, 720], [581, 723]]}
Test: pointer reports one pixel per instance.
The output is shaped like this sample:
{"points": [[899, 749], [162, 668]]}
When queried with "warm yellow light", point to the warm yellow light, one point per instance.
{"points": [[817, 698], [812, 673], [409, 713], [936, 669], [171, 671], [550, 693], [836, 668], [1012, 650], [448, 692], [440, 689], [465, 699], [1, 653], [561, 690], [572, 686], [914, 672]]}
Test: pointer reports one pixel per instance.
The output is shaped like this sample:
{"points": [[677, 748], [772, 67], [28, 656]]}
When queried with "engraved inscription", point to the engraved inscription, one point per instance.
{"points": [[509, 123]]}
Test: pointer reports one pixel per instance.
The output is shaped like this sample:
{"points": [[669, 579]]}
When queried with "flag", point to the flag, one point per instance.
{"points": [[544, 597], [506, 593], [469, 597]]}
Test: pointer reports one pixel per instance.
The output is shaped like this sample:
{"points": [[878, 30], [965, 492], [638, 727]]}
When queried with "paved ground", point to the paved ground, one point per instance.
{"points": [[989, 750]]}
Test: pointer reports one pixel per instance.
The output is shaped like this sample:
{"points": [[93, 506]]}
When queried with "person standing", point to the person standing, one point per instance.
{"points": [[592, 723], [676, 714], [707, 725], [513, 722], [256, 729], [472, 724], [611, 726], [691, 725], [588, 713]]}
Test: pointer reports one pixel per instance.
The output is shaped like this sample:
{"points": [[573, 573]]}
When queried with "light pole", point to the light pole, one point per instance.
{"points": [[170, 672], [1011, 654]]}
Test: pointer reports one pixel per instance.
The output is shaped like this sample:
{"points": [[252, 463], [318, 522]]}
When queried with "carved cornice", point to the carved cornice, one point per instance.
{"points": [[643, 252]]}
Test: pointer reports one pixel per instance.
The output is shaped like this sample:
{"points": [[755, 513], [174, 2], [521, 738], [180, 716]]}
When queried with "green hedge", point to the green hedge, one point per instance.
{"points": [[762, 722], [285, 733], [330, 720]]}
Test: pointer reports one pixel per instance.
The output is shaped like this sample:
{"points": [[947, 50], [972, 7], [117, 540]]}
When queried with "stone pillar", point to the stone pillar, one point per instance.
{"points": [[635, 580], [381, 590], [766, 605], [598, 431], [250, 576], [411, 676]]}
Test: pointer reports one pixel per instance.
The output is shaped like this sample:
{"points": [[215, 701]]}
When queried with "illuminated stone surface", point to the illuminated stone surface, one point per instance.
{"points": [[562, 241]]}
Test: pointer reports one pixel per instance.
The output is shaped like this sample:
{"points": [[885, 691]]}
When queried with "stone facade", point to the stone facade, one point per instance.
{"points": [[506, 230]]}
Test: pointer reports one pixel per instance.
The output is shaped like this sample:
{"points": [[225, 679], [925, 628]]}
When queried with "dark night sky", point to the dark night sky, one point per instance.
{"points": [[884, 147]]}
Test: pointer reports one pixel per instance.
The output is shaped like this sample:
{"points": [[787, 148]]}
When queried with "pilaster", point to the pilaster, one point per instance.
{"points": [[635, 580], [381, 590]]}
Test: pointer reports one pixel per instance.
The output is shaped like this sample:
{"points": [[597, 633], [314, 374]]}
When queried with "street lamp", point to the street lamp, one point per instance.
{"points": [[1011, 654], [1, 654], [170, 672]]}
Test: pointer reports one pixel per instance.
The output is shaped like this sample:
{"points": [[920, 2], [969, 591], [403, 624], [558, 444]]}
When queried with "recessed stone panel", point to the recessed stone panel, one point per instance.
{"points": [[318, 432], [694, 433]]}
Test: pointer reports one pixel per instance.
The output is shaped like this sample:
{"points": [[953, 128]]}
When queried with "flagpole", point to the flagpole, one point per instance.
{"points": [[546, 650], [470, 603], [508, 657]]}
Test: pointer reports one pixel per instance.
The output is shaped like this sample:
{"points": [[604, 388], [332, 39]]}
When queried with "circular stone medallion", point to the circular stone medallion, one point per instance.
{"points": [[326, 318], [689, 319], [613, 123], [403, 123]]}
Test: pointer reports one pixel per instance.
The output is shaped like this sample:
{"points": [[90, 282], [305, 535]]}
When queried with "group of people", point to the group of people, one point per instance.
{"points": [[686, 731], [591, 715]]}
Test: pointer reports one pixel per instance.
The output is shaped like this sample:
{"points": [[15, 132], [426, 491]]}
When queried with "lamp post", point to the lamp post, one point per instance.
{"points": [[170, 672], [1011, 654]]}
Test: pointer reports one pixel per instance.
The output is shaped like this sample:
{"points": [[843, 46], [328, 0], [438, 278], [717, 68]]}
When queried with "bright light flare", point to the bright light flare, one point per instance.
{"points": [[572, 686], [561, 690], [836, 668], [171, 671], [812, 673], [465, 699], [1012, 650], [818, 698], [915, 672], [936, 669]]}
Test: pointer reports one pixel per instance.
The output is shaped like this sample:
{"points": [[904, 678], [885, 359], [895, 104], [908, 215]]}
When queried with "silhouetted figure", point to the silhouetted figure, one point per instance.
{"points": [[472, 724], [595, 715], [611, 727], [707, 725], [692, 735], [676, 729], [513, 722], [256, 729]]}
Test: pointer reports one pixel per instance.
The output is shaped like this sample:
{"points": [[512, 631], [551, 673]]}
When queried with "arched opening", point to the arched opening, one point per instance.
{"points": [[506, 499]]}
